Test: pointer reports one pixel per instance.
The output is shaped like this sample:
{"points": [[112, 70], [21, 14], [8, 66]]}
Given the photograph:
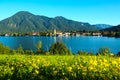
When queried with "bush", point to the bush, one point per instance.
{"points": [[84, 53], [118, 54], [59, 48], [29, 52]]}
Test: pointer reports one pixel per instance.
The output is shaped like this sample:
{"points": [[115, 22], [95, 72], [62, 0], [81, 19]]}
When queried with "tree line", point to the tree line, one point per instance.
{"points": [[57, 48]]}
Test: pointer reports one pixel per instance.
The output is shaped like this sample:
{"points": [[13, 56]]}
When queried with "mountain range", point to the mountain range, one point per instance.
{"points": [[113, 28], [24, 21], [103, 26]]}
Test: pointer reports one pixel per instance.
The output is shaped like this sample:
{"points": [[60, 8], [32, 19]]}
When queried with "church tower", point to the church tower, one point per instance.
{"points": [[54, 32]]}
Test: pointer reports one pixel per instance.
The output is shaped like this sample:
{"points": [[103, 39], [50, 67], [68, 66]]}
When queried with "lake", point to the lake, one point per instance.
{"points": [[74, 43]]}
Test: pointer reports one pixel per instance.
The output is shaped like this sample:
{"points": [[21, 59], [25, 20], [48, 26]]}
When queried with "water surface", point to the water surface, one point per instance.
{"points": [[74, 43]]}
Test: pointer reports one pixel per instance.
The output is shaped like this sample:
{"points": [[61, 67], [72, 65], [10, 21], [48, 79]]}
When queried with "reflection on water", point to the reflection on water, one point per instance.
{"points": [[74, 43]]}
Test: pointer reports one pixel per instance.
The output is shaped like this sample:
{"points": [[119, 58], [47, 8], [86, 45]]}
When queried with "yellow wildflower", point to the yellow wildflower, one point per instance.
{"points": [[69, 69], [36, 71], [55, 72]]}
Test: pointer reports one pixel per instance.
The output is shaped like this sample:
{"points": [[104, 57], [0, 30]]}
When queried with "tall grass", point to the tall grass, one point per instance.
{"points": [[54, 67]]}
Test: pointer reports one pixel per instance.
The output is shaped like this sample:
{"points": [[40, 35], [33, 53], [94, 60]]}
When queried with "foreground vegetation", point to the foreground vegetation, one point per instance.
{"points": [[59, 63], [54, 67]]}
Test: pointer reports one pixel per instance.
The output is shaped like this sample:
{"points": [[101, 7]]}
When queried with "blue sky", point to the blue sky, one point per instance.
{"points": [[92, 11]]}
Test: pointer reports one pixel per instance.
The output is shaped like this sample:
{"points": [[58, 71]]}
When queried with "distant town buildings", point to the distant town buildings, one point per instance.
{"points": [[35, 33], [96, 34], [55, 33], [6, 34]]}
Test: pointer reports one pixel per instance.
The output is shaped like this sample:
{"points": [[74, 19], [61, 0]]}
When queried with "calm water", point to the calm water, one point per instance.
{"points": [[74, 43]]}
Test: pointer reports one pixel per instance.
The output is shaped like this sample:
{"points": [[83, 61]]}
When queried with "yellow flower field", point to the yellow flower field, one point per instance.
{"points": [[39, 67]]}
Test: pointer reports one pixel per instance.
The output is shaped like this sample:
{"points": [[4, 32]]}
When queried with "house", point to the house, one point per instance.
{"points": [[35, 33], [6, 34], [96, 34]]}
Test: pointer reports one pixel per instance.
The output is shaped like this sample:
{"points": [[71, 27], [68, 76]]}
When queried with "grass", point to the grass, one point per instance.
{"points": [[43, 67]]}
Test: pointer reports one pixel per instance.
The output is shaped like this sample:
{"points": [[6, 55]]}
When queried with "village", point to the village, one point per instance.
{"points": [[54, 33]]}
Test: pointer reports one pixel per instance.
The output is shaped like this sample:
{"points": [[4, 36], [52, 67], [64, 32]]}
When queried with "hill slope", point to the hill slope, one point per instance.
{"points": [[24, 21], [114, 28], [102, 26]]}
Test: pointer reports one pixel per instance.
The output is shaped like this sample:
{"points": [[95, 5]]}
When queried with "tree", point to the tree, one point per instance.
{"points": [[59, 48], [117, 34], [104, 51], [39, 45], [20, 50], [39, 48]]}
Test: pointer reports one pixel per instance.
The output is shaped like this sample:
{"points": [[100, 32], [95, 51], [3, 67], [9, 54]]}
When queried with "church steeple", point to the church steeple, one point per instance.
{"points": [[54, 32]]}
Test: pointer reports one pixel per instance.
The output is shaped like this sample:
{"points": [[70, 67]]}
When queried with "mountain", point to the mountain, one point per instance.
{"points": [[24, 21], [114, 28], [102, 26]]}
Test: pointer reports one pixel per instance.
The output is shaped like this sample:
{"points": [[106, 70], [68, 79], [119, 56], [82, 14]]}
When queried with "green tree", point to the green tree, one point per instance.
{"points": [[20, 50], [39, 49], [104, 51], [59, 48], [39, 45], [117, 34]]}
